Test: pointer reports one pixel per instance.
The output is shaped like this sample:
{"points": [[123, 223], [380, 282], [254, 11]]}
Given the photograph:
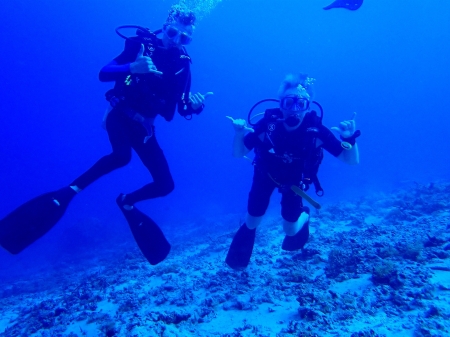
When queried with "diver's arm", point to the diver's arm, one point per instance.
{"points": [[351, 156], [114, 71], [340, 149], [120, 67], [188, 103], [184, 103], [243, 143], [186, 107], [239, 148], [348, 135]]}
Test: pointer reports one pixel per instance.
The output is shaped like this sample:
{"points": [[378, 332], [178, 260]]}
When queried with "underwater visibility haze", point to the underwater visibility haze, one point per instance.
{"points": [[385, 61]]}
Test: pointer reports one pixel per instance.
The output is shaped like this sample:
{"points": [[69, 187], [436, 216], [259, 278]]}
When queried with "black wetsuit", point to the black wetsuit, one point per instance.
{"points": [[284, 155], [148, 95]]}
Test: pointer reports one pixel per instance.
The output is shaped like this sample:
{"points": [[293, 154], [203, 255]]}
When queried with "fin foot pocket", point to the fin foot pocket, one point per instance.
{"points": [[121, 201]]}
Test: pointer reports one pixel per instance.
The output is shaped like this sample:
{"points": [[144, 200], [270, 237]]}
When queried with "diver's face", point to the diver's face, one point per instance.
{"points": [[176, 34], [294, 102], [294, 106]]}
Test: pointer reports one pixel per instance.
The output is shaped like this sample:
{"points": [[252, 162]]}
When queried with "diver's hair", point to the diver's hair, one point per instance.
{"points": [[297, 81], [181, 14]]}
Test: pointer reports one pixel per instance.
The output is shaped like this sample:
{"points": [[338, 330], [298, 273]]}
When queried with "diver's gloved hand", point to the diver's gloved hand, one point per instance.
{"points": [[347, 128], [240, 125], [143, 64], [197, 100]]}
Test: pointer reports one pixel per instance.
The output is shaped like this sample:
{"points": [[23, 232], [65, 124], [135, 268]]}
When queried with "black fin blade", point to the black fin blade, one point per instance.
{"points": [[352, 5], [30, 221], [147, 234], [241, 248]]}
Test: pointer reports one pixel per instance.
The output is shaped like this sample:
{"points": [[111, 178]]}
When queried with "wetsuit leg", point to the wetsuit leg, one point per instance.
{"points": [[291, 209], [291, 206], [117, 124], [259, 196], [154, 160]]}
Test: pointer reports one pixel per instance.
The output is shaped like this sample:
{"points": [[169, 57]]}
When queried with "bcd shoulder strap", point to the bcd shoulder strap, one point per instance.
{"points": [[314, 155]]}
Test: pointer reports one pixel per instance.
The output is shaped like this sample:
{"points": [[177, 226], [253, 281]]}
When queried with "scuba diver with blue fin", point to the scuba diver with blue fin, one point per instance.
{"points": [[288, 143], [152, 77]]}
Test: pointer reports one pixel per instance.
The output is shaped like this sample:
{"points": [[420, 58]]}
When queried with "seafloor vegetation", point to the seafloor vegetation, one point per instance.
{"points": [[376, 266]]}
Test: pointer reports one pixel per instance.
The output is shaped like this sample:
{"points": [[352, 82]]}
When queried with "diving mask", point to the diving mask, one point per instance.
{"points": [[294, 103], [177, 36]]}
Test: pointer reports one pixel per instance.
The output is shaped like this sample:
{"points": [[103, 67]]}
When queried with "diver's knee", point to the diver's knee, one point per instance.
{"points": [[253, 221], [120, 159], [292, 227], [167, 187]]}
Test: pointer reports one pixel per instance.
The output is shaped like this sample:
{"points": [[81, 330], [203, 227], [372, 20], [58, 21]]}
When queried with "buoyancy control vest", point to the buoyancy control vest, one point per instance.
{"points": [[297, 148], [146, 91]]}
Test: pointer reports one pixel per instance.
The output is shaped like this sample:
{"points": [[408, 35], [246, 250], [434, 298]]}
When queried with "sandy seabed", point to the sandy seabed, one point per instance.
{"points": [[376, 266]]}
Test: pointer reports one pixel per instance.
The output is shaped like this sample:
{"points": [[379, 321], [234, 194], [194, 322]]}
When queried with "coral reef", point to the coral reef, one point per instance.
{"points": [[376, 266]]}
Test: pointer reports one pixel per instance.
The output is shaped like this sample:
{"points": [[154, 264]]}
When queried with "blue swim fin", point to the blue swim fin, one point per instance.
{"points": [[149, 237], [352, 5], [33, 219]]}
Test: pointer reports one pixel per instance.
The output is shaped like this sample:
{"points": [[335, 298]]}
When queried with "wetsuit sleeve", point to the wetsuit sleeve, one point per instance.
{"points": [[120, 66], [330, 142], [251, 139]]}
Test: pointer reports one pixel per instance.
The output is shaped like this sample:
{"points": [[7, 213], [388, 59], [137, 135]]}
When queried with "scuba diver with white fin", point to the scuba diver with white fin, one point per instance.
{"points": [[288, 143], [152, 77]]}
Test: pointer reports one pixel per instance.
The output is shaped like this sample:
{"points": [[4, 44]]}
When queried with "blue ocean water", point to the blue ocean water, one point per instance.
{"points": [[386, 61]]}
